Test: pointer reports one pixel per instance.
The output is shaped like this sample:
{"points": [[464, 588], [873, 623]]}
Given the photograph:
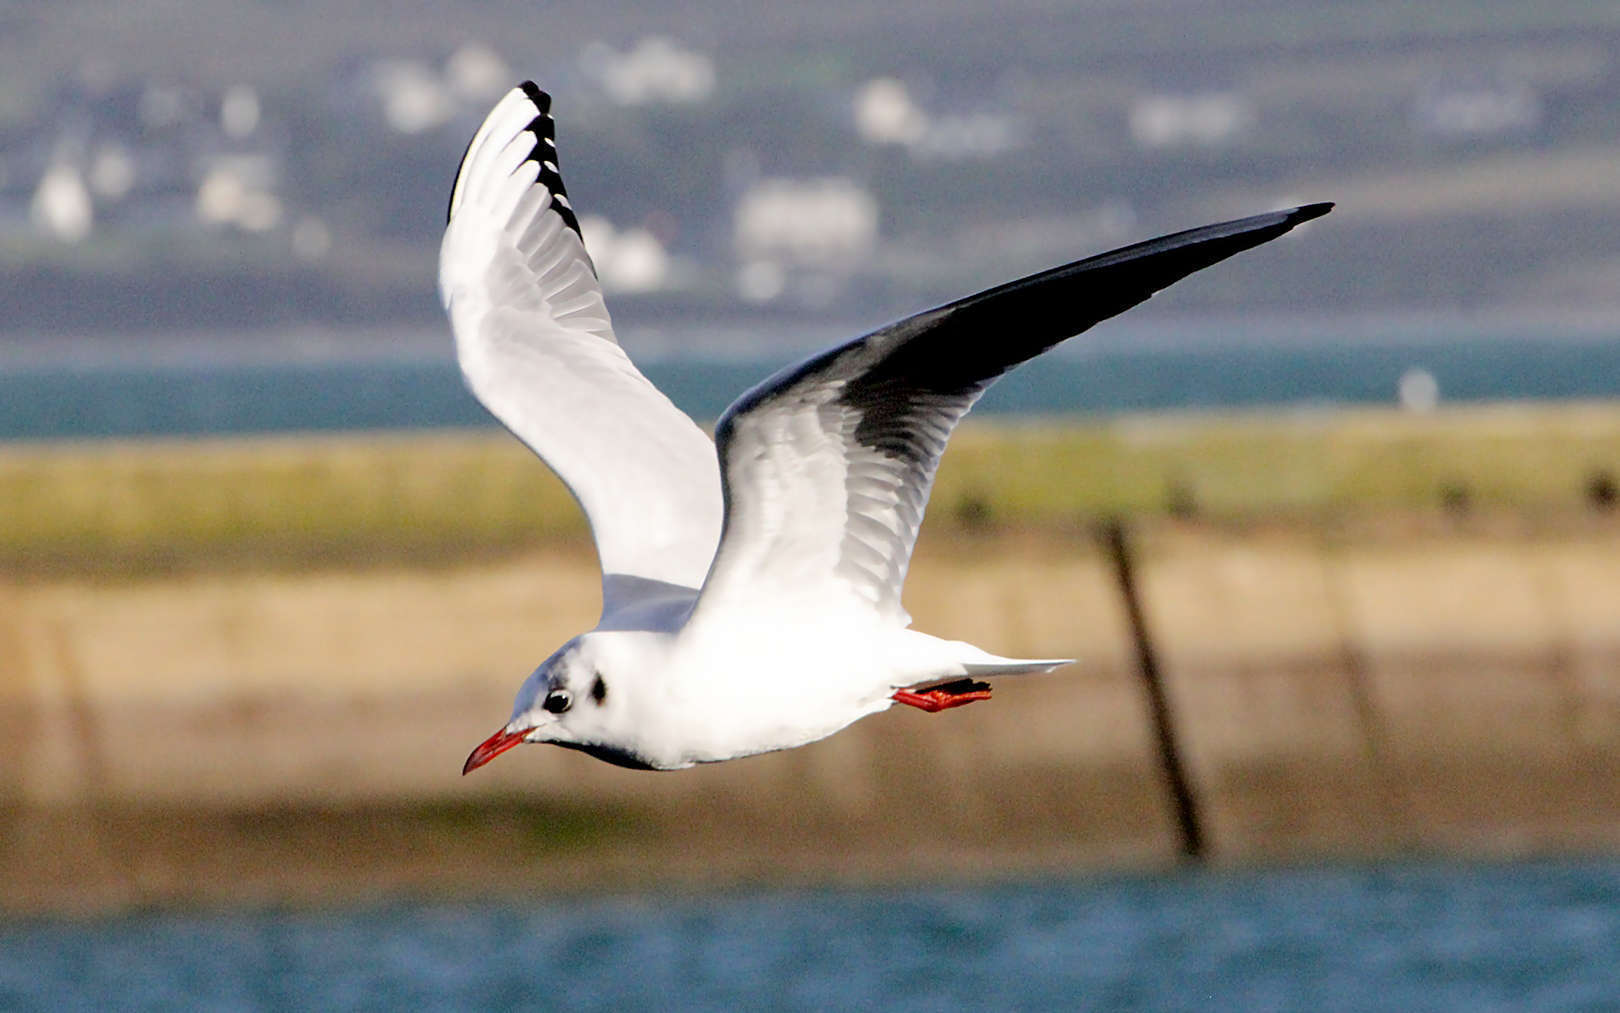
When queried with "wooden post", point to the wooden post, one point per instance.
{"points": [[1183, 804]]}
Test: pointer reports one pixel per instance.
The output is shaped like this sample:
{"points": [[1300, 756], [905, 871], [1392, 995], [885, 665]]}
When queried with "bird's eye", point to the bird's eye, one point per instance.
{"points": [[558, 700]]}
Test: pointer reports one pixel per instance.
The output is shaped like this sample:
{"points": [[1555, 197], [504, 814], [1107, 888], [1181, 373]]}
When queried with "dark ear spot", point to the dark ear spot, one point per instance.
{"points": [[599, 690]]}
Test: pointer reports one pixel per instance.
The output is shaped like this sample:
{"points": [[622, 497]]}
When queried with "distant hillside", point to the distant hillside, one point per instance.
{"points": [[1472, 148]]}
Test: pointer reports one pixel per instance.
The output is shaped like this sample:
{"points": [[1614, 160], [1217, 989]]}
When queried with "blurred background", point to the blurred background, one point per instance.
{"points": [[1331, 527]]}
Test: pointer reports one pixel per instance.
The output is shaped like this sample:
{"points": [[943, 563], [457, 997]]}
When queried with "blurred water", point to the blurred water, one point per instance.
{"points": [[1397, 937], [215, 394]]}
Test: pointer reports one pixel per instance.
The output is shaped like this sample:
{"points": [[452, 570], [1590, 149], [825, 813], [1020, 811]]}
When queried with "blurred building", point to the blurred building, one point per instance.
{"points": [[1206, 119], [816, 230], [885, 113], [61, 207], [1477, 109], [413, 96], [627, 260], [654, 70]]}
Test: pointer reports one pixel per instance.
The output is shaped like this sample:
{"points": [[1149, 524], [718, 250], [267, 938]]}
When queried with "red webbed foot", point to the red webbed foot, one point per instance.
{"points": [[945, 696]]}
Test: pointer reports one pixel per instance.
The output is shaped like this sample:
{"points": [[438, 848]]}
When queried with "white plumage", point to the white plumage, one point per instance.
{"points": [[537, 347], [751, 590]]}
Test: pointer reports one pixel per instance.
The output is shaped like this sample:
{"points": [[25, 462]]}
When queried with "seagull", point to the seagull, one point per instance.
{"points": [[750, 583]]}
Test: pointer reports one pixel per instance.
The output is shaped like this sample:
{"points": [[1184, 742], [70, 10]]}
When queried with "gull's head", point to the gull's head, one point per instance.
{"points": [[570, 700]]}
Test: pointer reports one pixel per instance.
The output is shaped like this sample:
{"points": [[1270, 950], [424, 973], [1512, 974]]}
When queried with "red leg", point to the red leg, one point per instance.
{"points": [[953, 694]]}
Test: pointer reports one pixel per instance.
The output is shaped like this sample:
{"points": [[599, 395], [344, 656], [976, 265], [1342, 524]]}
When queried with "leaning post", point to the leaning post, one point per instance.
{"points": [[1184, 804]]}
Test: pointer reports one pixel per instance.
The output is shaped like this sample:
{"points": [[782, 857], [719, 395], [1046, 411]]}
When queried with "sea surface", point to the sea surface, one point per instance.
{"points": [[233, 385], [1425, 936]]}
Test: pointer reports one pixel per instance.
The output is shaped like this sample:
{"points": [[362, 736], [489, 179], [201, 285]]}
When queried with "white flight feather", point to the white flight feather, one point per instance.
{"points": [[537, 347]]}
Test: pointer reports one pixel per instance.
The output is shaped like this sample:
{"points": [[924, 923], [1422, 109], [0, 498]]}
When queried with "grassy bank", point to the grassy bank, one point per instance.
{"points": [[296, 502]]}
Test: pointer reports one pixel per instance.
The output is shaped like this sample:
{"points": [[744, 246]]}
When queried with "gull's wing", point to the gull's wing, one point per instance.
{"points": [[827, 465], [536, 346]]}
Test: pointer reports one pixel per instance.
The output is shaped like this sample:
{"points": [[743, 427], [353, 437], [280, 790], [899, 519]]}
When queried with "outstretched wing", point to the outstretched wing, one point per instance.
{"points": [[536, 346], [827, 465]]}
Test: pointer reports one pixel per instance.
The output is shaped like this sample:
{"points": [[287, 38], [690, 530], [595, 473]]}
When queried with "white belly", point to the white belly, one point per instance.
{"points": [[768, 687]]}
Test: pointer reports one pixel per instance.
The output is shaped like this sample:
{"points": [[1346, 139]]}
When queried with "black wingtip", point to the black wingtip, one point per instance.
{"points": [[1309, 211], [544, 154], [541, 100], [538, 97]]}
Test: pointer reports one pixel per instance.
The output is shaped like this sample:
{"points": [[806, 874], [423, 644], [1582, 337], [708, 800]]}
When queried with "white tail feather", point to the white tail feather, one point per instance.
{"points": [[1015, 666]]}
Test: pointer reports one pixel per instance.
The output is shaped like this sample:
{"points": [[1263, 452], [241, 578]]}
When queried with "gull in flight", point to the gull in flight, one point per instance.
{"points": [[750, 584]]}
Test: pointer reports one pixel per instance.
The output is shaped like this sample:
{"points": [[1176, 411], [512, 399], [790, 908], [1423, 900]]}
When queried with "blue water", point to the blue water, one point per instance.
{"points": [[1528, 936], [43, 401]]}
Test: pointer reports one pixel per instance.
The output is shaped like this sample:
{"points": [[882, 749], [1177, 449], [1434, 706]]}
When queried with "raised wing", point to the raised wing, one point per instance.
{"points": [[536, 346], [827, 465]]}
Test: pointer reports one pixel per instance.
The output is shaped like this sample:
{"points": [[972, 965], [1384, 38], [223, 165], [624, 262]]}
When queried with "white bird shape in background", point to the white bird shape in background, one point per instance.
{"points": [[750, 585]]}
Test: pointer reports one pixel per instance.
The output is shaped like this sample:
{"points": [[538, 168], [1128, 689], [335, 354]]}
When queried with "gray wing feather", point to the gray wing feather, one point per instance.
{"points": [[826, 467]]}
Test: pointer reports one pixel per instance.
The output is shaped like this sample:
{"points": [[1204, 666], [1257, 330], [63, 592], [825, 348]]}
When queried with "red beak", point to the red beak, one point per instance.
{"points": [[492, 747]]}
